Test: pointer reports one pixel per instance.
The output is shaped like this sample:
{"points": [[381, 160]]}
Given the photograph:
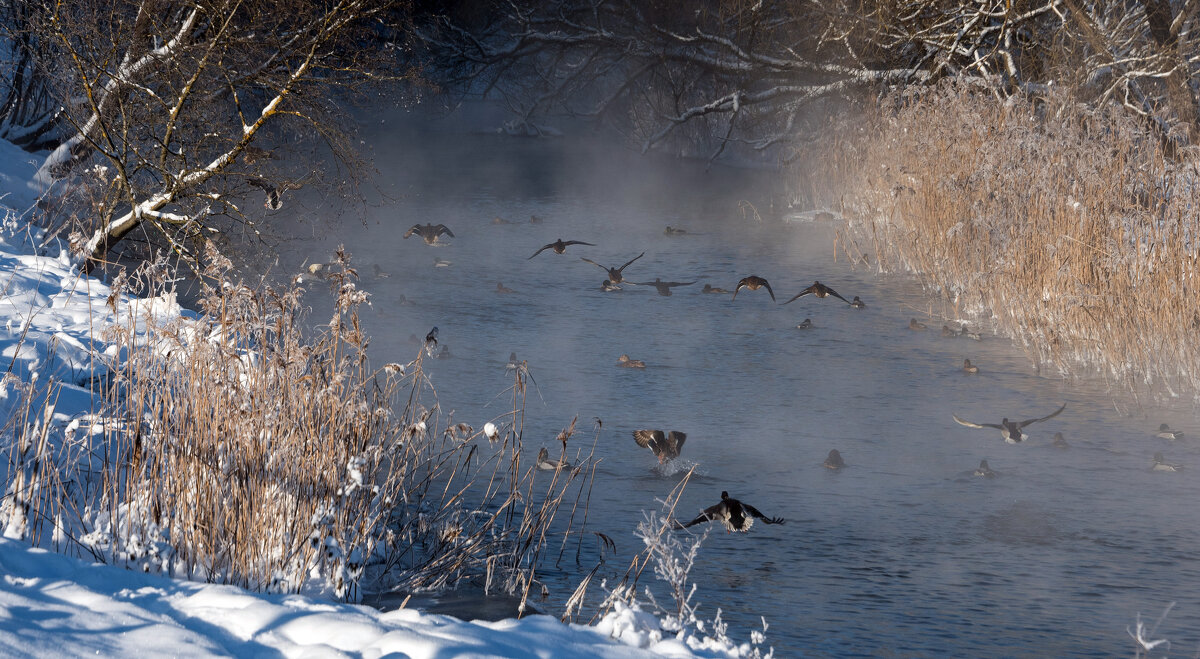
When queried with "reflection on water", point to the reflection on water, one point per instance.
{"points": [[903, 552]]}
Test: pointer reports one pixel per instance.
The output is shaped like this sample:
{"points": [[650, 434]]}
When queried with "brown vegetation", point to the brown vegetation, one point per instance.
{"points": [[1070, 228]]}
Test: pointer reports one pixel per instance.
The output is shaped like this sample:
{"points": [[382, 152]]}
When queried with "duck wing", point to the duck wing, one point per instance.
{"points": [[596, 264], [978, 425], [629, 261], [767, 284], [648, 438], [835, 294], [416, 228], [442, 228], [578, 242], [711, 514], [678, 283], [766, 520], [801, 294], [1053, 414], [539, 251], [675, 440]]}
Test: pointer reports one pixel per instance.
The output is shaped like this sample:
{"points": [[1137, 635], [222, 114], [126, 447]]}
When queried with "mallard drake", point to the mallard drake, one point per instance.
{"points": [[502, 289], [834, 460], [625, 362], [818, 289], [857, 303], [546, 463], [559, 246], [805, 324], [968, 367], [663, 287], [916, 325], [709, 288], [607, 286], [1160, 464], [1165, 432], [1011, 430], [733, 514], [614, 274], [666, 447], [1060, 441], [984, 471], [753, 282], [429, 232]]}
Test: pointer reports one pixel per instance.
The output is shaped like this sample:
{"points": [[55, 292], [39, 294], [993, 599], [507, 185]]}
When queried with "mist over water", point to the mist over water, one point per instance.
{"points": [[904, 552]]}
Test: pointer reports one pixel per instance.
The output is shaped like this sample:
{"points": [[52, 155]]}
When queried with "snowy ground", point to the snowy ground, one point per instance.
{"points": [[55, 605]]}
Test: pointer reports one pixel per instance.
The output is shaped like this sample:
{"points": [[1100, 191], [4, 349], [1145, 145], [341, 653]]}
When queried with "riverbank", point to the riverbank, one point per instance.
{"points": [[1067, 230]]}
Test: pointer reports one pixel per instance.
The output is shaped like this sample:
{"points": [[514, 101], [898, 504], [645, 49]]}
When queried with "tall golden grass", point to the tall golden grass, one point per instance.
{"points": [[237, 449], [1067, 227]]}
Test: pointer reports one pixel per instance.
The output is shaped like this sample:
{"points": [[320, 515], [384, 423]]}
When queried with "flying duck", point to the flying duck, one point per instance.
{"points": [[559, 246], [834, 460], [1011, 430], [735, 515], [502, 289], [273, 190], [709, 288], [429, 232], [663, 287], [546, 463], [625, 362], [666, 447], [857, 303], [984, 470], [968, 367], [820, 290], [753, 282], [916, 325], [614, 274], [805, 324], [1160, 464], [1165, 432]]}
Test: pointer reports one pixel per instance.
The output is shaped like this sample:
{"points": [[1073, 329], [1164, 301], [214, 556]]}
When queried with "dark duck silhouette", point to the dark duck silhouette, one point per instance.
{"points": [[857, 303], [559, 246], [753, 282], [984, 471], [834, 461], [429, 232], [820, 290], [1011, 430], [663, 287], [502, 289], [735, 515], [614, 274], [709, 288], [666, 446]]}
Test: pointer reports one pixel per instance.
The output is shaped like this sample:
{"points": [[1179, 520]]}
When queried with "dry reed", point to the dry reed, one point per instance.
{"points": [[1066, 226]]}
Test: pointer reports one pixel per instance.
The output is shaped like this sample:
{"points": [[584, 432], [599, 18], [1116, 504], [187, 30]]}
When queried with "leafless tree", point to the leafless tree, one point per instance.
{"points": [[178, 106]]}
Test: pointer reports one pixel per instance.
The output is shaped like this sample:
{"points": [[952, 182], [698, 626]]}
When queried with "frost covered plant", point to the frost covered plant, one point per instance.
{"points": [[672, 557]]}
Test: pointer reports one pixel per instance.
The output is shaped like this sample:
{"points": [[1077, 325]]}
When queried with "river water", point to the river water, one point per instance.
{"points": [[902, 553]]}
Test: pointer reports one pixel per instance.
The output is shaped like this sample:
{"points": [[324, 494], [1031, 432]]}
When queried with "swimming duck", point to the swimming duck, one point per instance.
{"points": [[968, 367], [441, 263], [857, 303], [834, 460], [559, 246], [546, 463], [915, 325], [1060, 441], [614, 274], [709, 288], [429, 232], [378, 271], [608, 286], [671, 231], [445, 353], [964, 331], [663, 287], [502, 289], [1160, 464], [753, 282], [820, 290], [625, 362], [1011, 430], [665, 446], [500, 220], [805, 324], [1165, 432], [946, 331], [984, 471], [733, 514]]}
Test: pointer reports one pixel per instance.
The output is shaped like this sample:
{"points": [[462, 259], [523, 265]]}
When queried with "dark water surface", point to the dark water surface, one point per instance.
{"points": [[904, 552]]}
